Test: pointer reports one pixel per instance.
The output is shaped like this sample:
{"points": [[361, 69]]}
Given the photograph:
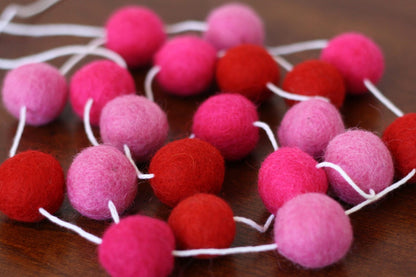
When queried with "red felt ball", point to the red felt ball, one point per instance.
{"points": [[185, 167], [315, 78], [246, 69], [29, 181]]}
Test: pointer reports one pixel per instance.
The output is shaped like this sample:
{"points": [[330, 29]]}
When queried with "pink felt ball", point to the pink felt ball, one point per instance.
{"points": [[39, 87], [187, 65], [102, 81], [138, 246], [313, 230], [357, 58], [233, 24], [136, 33], [365, 158], [287, 173], [135, 121], [99, 174], [226, 121], [310, 125]]}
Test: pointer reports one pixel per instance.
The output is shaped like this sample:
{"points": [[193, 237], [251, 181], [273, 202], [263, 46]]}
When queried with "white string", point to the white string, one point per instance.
{"points": [[283, 63], [113, 211], [186, 26], [87, 125], [254, 225], [140, 175], [19, 132], [386, 102], [71, 227], [148, 82], [191, 136], [268, 131], [298, 47], [292, 96], [227, 251]]}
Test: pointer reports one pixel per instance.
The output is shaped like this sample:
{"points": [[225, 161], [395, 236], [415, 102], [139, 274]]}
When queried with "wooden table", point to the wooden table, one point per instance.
{"points": [[384, 233]]}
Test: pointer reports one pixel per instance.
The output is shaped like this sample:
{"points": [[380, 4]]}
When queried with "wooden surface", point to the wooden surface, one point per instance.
{"points": [[384, 233]]}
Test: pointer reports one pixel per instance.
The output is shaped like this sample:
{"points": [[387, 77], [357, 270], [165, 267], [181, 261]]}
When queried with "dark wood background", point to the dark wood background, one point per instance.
{"points": [[384, 233]]}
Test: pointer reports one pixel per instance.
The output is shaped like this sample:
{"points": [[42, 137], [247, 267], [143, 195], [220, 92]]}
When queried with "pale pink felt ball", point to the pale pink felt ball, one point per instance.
{"points": [[357, 57], [286, 173], [136, 33], [102, 81], [312, 230], [135, 121], [99, 174], [226, 121], [233, 24], [310, 125], [187, 65], [365, 158], [39, 87]]}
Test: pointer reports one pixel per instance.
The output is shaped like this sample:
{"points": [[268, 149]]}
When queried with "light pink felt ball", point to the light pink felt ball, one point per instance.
{"points": [[39, 87], [135, 121], [99, 174]]}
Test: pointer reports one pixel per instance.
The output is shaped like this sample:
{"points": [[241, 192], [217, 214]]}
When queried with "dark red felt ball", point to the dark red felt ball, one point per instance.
{"points": [[246, 69], [315, 77], [29, 181], [185, 167]]}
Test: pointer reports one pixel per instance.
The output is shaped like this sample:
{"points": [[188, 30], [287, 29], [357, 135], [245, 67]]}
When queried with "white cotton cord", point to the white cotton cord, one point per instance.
{"points": [[386, 102], [113, 211], [191, 136], [283, 63], [149, 80], [298, 47], [140, 175], [186, 26], [87, 125], [19, 132], [254, 225], [292, 96], [269, 133], [226, 251], [382, 193], [71, 227]]}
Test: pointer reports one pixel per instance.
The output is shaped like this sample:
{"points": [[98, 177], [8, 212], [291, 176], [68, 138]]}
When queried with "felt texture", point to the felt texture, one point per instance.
{"points": [[365, 158], [185, 167], [357, 57], [400, 138], [246, 69], [233, 24], [286, 173], [136, 33], [137, 246], [310, 125], [187, 65], [315, 78], [135, 121], [38, 86], [99, 174], [102, 81], [313, 230], [226, 121], [202, 221], [29, 181]]}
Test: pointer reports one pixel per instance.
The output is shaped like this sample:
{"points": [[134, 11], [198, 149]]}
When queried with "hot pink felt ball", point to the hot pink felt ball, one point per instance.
{"points": [[99, 174], [365, 158], [187, 65], [313, 230], [39, 87], [102, 81], [138, 246], [226, 121], [135, 121], [136, 33], [357, 57], [233, 24], [310, 125]]}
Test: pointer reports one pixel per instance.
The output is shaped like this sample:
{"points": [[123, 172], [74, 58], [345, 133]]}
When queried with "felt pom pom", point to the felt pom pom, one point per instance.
{"points": [[136, 33], [286, 173], [365, 158], [202, 221], [246, 69], [135, 121], [185, 167], [187, 65], [99, 174], [315, 78], [138, 246], [233, 24], [357, 58], [102, 81], [310, 125], [226, 121], [400, 138], [29, 181], [38, 86], [313, 230]]}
